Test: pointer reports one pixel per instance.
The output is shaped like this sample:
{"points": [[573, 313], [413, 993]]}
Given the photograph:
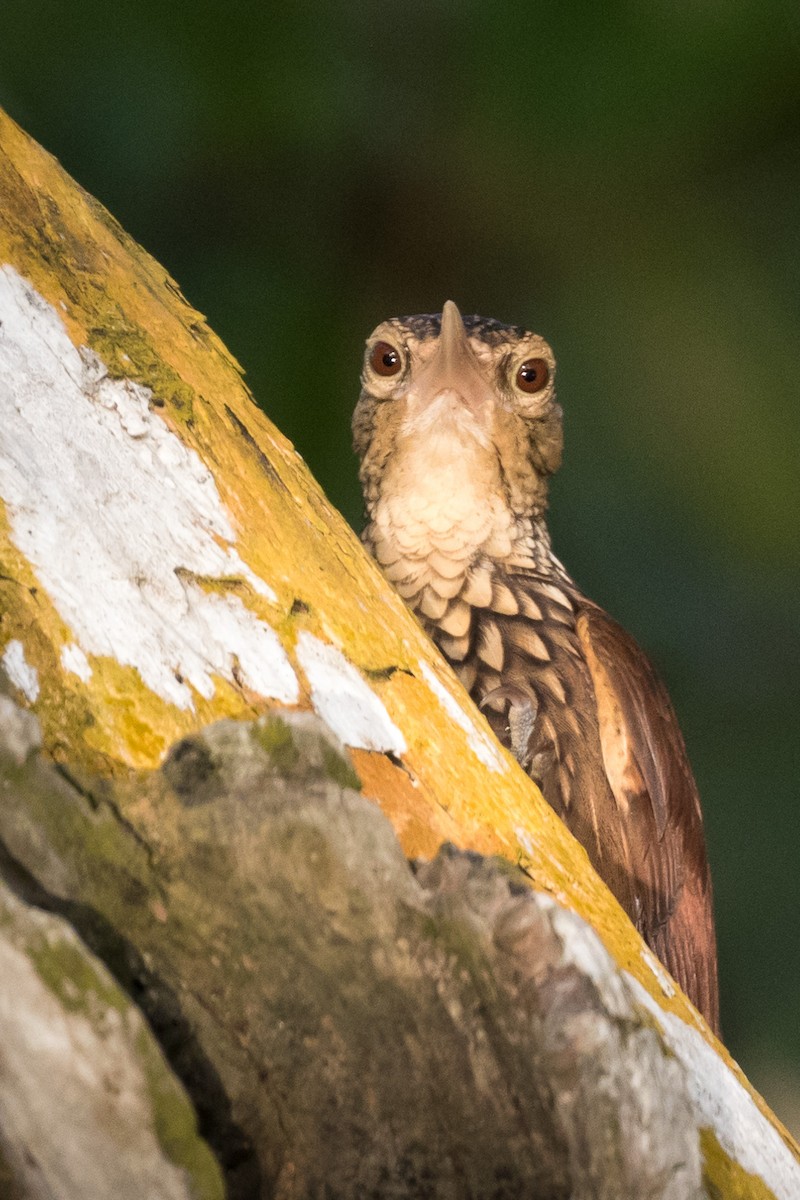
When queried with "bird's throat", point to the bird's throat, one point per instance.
{"points": [[441, 527]]}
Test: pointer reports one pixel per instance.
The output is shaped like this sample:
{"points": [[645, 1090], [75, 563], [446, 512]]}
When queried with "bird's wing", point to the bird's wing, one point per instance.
{"points": [[657, 803]]}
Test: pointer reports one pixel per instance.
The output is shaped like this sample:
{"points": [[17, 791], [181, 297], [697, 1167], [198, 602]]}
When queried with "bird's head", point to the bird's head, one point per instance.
{"points": [[450, 395]]}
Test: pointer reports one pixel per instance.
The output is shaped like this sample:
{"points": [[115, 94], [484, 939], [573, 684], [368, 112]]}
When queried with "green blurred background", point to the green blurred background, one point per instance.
{"points": [[622, 177]]}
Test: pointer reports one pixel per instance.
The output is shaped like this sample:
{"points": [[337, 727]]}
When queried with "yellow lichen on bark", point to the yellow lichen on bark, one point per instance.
{"points": [[450, 782]]}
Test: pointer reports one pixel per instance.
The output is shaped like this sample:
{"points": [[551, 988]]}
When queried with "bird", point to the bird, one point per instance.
{"points": [[458, 432]]}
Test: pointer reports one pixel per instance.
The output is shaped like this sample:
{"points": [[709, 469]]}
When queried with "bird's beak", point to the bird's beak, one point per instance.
{"points": [[454, 367]]}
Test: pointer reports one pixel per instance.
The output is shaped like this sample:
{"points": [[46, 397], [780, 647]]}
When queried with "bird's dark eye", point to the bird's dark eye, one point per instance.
{"points": [[384, 359], [532, 375]]}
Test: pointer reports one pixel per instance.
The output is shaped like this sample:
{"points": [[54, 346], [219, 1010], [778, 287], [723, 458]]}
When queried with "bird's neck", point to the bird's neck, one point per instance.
{"points": [[534, 544]]}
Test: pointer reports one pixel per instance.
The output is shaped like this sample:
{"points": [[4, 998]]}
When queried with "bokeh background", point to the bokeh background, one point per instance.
{"points": [[622, 177]]}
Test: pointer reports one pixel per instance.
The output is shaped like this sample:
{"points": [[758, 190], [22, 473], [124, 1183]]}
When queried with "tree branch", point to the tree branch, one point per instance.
{"points": [[171, 581]]}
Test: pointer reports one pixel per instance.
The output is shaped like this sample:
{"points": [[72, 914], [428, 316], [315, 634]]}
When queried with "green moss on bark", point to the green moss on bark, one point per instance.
{"points": [[175, 1125], [67, 971]]}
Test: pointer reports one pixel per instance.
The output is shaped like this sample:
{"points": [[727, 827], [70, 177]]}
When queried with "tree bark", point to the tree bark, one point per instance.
{"points": [[244, 740]]}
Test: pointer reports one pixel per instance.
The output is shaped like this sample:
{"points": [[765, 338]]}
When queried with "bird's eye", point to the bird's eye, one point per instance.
{"points": [[384, 359], [532, 375]]}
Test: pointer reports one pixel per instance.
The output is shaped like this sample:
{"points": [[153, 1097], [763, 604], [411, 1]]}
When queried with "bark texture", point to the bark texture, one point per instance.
{"points": [[89, 1108], [189, 636], [348, 1024]]}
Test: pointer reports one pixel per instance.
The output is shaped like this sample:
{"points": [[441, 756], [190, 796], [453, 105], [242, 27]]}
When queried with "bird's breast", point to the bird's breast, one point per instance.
{"points": [[441, 511]]}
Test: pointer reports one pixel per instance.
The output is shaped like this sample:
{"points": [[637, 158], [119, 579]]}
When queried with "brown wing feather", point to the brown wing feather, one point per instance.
{"points": [[657, 802]]}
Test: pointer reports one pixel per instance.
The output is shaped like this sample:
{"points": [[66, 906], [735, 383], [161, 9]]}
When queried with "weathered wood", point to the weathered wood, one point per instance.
{"points": [[368, 1030], [89, 1108], [167, 561]]}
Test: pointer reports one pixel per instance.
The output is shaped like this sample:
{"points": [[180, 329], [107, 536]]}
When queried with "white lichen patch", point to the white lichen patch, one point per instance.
{"points": [[118, 518], [665, 982], [74, 660], [481, 743], [344, 700], [20, 672], [725, 1106], [583, 948], [525, 840], [249, 650]]}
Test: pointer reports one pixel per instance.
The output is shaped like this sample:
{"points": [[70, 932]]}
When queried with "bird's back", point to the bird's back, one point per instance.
{"points": [[602, 741]]}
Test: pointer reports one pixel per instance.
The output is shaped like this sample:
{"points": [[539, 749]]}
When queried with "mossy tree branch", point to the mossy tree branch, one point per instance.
{"points": [[166, 562]]}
